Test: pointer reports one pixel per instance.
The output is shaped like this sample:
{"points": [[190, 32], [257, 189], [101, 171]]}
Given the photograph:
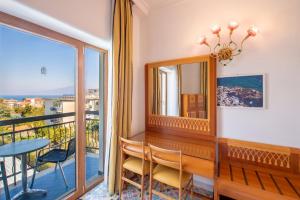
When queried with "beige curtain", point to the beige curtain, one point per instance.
{"points": [[179, 86], [156, 92], [203, 84], [122, 84]]}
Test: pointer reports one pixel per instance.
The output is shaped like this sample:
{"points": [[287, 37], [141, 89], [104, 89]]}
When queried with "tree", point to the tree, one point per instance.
{"points": [[24, 111], [4, 112], [27, 111], [18, 110]]}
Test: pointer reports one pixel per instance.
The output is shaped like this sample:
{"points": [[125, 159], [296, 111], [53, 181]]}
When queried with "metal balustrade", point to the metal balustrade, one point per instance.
{"points": [[56, 128]]}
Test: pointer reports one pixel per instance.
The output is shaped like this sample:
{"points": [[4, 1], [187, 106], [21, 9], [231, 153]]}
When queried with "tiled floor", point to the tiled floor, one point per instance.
{"points": [[52, 180], [100, 193], [131, 193]]}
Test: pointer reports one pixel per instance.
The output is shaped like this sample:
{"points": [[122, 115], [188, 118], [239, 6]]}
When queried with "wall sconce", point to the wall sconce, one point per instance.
{"points": [[225, 52]]}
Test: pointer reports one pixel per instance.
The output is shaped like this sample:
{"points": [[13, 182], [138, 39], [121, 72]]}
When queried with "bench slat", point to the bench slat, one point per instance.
{"points": [[296, 183], [252, 179], [238, 176], [268, 183], [285, 187]]}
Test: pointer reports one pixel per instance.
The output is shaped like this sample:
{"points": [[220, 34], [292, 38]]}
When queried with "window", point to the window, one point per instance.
{"points": [[164, 92], [38, 69]]}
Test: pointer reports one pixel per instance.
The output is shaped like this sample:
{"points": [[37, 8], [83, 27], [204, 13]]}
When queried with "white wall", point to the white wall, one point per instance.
{"points": [[171, 32], [92, 16], [138, 104]]}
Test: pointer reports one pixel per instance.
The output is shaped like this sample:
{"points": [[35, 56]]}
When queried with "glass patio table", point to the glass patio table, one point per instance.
{"points": [[22, 148]]}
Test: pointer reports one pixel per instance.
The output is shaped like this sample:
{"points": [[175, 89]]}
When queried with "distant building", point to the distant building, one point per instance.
{"points": [[34, 102], [93, 93], [52, 106], [92, 102], [11, 103], [20, 104], [65, 104]]}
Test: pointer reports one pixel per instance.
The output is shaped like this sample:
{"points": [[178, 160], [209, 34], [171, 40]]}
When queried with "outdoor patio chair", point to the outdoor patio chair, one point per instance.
{"points": [[56, 156], [4, 179]]}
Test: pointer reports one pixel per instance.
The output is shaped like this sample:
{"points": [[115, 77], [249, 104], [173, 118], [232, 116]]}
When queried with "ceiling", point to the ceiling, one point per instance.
{"points": [[146, 5], [160, 3]]}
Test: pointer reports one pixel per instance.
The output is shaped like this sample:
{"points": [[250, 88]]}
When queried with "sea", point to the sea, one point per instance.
{"points": [[21, 97], [252, 82]]}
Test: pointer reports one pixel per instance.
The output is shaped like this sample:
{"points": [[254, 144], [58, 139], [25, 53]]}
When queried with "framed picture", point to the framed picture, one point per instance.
{"points": [[246, 91]]}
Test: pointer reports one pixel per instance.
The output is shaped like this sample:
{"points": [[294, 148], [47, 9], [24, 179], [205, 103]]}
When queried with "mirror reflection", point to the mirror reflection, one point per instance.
{"points": [[179, 90]]}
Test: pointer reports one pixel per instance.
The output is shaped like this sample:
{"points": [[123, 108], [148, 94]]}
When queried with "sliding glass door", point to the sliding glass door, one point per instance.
{"points": [[94, 106], [38, 100], [49, 83]]}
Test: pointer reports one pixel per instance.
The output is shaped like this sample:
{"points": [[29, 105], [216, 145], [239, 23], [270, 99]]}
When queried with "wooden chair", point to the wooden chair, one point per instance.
{"points": [[168, 170], [133, 160], [3, 177]]}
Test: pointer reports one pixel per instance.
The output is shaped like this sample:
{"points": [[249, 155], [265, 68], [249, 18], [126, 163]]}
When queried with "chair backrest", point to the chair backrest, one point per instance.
{"points": [[132, 148], [166, 157], [71, 147]]}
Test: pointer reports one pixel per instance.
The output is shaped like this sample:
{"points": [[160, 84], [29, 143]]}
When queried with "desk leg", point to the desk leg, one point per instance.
{"points": [[26, 192]]}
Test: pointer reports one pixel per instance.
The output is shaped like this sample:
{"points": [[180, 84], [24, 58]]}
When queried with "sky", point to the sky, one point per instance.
{"points": [[22, 55]]}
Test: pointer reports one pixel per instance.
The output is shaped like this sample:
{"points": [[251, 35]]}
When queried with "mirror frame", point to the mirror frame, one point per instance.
{"points": [[184, 126]]}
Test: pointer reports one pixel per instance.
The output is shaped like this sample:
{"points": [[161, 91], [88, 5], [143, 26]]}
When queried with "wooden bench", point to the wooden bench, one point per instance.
{"points": [[253, 171]]}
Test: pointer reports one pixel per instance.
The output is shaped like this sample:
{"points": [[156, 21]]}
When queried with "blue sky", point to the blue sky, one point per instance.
{"points": [[92, 60], [22, 55]]}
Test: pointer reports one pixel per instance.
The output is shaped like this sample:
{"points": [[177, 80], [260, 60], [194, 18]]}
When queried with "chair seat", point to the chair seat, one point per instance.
{"points": [[170, 176], [135, 165], [54, 156]]}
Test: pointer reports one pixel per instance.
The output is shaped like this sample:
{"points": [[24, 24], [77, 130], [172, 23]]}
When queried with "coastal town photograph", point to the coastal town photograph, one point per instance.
{"points": [[241, 91]]}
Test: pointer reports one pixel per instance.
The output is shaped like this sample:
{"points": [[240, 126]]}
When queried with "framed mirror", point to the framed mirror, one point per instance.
{"points": [[179, 90], [181, 95]]}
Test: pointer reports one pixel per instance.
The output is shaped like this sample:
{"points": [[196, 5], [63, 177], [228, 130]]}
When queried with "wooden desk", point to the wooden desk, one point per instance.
{"points": [[193, 165], [189, 146]]}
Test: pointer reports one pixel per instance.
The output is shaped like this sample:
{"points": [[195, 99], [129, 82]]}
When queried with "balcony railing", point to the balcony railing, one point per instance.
{"points": [[58, 128]]}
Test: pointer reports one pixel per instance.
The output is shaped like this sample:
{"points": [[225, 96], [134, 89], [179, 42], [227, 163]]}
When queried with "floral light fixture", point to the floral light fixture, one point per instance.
{"points": [[225, 52]]}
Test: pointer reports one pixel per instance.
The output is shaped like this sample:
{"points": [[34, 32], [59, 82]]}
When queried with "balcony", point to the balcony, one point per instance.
{"points": [[59, 129]]}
